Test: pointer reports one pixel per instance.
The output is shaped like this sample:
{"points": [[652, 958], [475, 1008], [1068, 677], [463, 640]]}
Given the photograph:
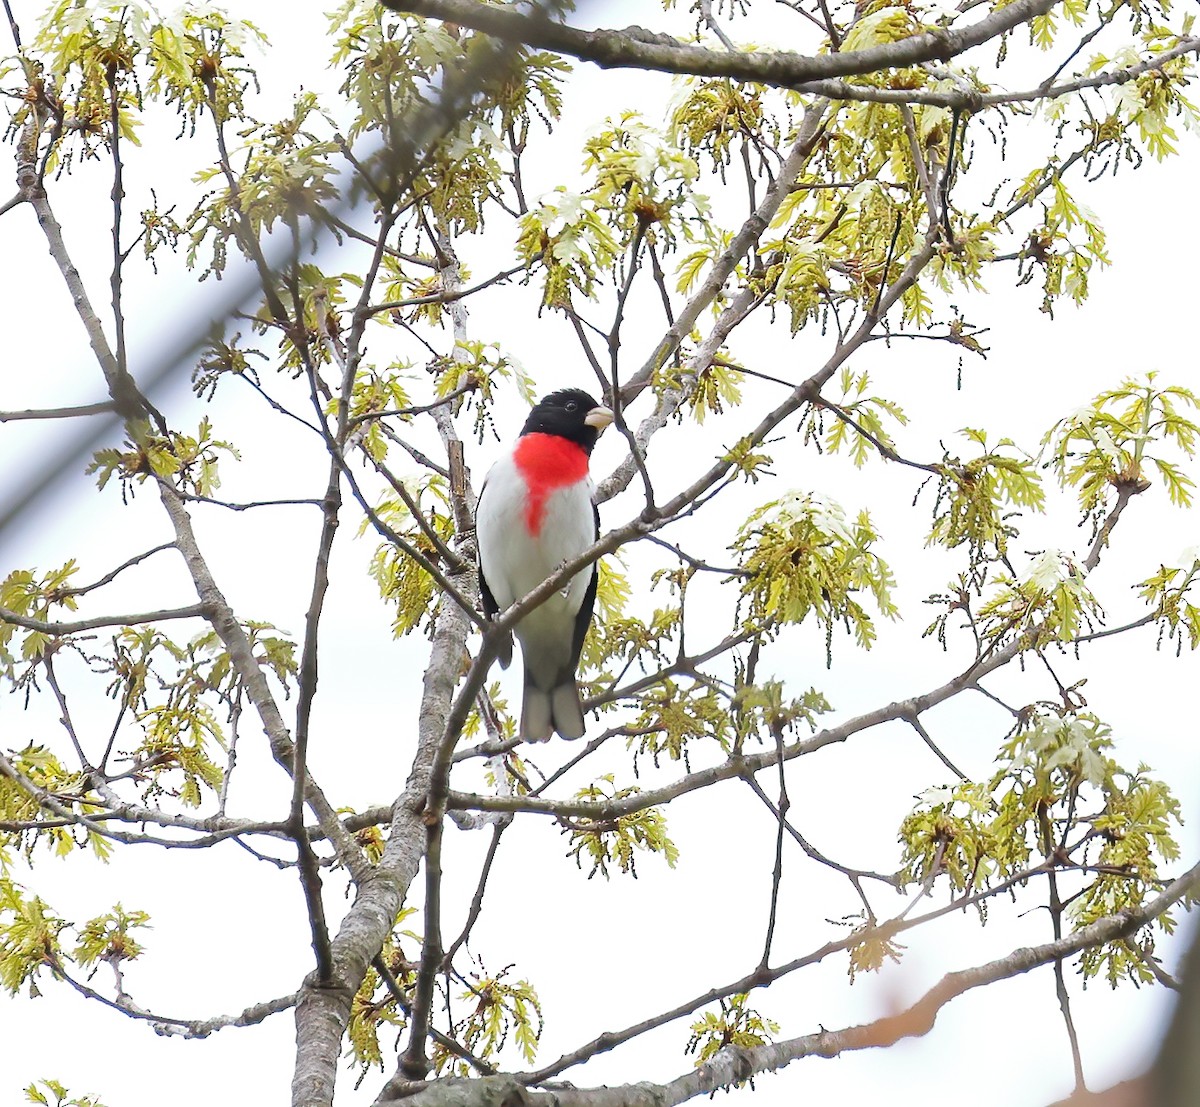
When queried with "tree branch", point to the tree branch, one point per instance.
{"points": [[635, 47], [733, 1065], [61, 630], [58, 412]]}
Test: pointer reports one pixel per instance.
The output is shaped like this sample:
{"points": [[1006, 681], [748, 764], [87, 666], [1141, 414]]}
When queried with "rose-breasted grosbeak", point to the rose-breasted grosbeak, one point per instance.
{"points": [[536, 513]]}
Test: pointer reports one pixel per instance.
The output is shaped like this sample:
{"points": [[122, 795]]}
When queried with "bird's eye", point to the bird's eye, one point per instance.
{"points": [[572, 405]]}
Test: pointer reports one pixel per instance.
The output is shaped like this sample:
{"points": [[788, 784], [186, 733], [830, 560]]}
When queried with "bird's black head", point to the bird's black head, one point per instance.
{"points": [[571, 414]]}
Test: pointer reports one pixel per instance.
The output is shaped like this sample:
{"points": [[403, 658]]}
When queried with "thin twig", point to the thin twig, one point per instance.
{"points": [[915, 722], [777, 875], [61, 630], [101, 408], [477, 899], [402, 1001], [108, 578]]}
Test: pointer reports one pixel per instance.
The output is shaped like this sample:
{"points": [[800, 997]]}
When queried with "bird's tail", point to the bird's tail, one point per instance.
{"points": [[559, 709]]}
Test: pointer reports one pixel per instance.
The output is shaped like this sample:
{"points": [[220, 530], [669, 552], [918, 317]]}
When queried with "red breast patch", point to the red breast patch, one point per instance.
{"points": [[547, 462]]}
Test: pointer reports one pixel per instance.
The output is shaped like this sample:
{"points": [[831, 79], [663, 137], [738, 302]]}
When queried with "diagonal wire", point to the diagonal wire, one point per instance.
{"points": [[412, 136]]}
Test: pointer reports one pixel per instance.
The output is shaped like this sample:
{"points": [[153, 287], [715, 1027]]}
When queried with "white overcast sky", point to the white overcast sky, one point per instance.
{"points": [[229, 932]]}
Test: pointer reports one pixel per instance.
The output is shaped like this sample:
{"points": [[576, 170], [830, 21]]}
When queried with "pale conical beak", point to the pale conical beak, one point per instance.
{"points": [[599, 417]]}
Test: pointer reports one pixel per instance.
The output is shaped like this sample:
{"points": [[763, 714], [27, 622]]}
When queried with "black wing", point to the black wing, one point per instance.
{"points": [[490, 607], [583, 617]]}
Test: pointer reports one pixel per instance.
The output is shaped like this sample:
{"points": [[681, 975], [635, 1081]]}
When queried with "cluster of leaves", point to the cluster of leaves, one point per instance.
{"points": [[401, 579], [862, 207], [177, 723], [873, 952], [613, 635], [1065, 246], [109, 937], [1120, 124], [501, 1008], [177, 710], [713, 116], [642, 182], [736, 1023], [605, 842], [801, 556], [618, 641], [640, 188], [87, 59], [1134, 117], [673, 716], [32, 775], [32, 938], [477, 368], [286, 173], [1117, 441], [490, 712], [391, 61], [373, 393], [24, 593], [375, 1004], [62, 1097], [1108, 448], [191, 461], [951, 832], [974, 497], [763, 709], [1058, 800], [29, 937], [1167, 591], [315, 302], [858, 415], [711, 391], [1052, 602]]}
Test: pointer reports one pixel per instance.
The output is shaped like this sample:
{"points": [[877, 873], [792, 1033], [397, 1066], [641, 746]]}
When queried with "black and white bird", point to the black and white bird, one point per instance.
{"points": [[536, 512]]}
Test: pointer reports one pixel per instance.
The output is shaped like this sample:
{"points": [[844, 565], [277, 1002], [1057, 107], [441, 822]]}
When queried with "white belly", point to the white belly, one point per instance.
{"points": [[514, 561]]}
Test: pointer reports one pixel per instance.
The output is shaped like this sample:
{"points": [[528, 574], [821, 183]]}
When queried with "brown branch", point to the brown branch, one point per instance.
{"points": [[192, 498], [62, 808], [613, 384], [233, 636], [108, 578], [1126, 490], [748, 764], [127, 400], [451, 557], [451, 1045], [416, 409], [965, 98], [884, 449], [777, 874], [61, 630], [447, 297], [118, 196], [635, 47], [58, 412], [414, 1064], [743, 242], [181, 1028], [920, 165], [733, 1065], [310, 876], [917, 725], [855, 875]]}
